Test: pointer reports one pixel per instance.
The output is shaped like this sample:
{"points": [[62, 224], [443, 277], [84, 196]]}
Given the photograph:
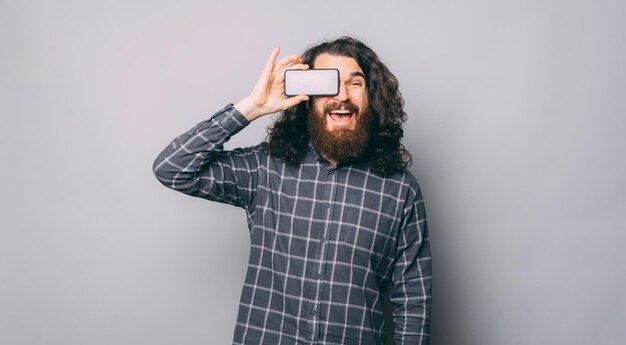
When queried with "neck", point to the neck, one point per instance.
{"points": [[332, 161]]}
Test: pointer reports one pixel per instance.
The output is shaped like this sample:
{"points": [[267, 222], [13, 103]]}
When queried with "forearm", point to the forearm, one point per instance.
{"points": [[179, 164], [412, 290], [412, 296], [412, 315]]}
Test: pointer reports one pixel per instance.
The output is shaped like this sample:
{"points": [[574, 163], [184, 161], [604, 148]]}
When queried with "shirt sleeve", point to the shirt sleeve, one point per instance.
{"points": [[195, 163], [412, 276]]}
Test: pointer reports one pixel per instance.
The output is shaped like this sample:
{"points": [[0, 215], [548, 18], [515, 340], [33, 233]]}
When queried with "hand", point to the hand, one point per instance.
{"points": [[268, 95]]}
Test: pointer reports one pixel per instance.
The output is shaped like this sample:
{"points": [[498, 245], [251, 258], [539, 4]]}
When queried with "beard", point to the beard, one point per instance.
{"points": [[339, 144]]}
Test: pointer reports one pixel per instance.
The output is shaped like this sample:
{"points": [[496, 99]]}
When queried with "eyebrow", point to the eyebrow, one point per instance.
{"points": [[357, 74]]}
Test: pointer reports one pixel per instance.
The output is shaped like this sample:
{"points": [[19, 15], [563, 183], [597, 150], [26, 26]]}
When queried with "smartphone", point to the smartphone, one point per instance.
{"points": [[312, 82]]}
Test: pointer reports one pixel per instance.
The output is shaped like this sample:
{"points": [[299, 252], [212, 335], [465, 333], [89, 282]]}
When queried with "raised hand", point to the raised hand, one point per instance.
{"points": [[268, 95]]}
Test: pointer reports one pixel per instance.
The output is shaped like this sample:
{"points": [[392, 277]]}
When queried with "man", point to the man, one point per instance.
{"points": [[334, 215]]}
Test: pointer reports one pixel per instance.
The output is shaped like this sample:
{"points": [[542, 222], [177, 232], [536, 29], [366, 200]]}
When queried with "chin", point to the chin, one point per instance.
{"points": [[332, 126]]}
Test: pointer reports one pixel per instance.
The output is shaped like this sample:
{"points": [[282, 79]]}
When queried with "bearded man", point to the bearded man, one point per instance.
{"points": [[333, 213]]}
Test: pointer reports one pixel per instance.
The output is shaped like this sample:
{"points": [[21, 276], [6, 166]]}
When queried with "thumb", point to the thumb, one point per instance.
{"points": [[293, 101]]}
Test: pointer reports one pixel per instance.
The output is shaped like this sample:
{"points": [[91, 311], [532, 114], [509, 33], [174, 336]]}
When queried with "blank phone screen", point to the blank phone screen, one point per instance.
{"points": [[313, 82]]}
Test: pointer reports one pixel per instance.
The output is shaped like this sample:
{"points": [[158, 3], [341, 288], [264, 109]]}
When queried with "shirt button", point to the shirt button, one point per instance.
{"points": [[327, 204], [322, 240], [318, 275], [313, 312]]}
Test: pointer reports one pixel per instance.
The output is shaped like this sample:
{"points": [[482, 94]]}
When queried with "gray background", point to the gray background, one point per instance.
{"points": [[516, 125]]}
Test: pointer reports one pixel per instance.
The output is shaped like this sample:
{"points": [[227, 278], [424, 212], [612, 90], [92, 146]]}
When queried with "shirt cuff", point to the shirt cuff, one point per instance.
{"points": [[230, 119]]}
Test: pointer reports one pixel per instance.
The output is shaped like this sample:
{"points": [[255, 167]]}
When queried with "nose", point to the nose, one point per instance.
{"points": [[342, 96]]}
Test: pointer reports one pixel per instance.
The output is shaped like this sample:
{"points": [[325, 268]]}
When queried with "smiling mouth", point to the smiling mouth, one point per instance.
{"points": [[341, 116]]}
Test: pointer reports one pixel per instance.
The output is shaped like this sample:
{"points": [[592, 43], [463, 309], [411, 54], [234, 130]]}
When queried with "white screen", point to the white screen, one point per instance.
{"points": [[312, 82]]}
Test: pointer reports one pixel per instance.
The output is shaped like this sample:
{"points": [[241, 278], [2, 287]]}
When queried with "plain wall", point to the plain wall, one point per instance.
{"points": [[516, 125]]}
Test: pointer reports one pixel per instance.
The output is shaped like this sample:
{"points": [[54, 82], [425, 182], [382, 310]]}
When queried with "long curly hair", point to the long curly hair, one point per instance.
{"points": [[288, 137]]}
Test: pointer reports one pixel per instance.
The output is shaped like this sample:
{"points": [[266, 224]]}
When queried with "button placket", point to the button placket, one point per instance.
{"points": [[318, 286]]}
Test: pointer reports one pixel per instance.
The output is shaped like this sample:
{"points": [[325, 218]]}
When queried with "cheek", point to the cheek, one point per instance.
{"points": [[359, 96], [363, 102], [318, 105]]}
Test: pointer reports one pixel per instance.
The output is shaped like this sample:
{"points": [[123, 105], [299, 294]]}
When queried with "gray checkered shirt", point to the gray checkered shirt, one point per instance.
{"points": [[325, 241]]}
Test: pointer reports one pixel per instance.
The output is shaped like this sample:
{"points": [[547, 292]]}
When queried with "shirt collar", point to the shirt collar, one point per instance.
{"points": [[316, 154]]}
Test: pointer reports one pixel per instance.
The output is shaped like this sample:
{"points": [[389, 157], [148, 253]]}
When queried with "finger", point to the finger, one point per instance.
{"points": [[281, 77], [267, 70], [293, 101], [296, 61], [286, 61], [299, 66], [269, 64], [270, 61]]}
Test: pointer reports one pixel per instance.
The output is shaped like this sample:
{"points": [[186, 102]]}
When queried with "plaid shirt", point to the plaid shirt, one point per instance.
{"points": [[325, 241]]}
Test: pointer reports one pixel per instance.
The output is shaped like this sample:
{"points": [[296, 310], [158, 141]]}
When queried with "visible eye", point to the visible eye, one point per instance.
{"points": [[356, 83]]}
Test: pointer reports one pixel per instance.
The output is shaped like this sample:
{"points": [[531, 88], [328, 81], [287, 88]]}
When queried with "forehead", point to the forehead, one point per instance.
{"points": [[345, 65]]}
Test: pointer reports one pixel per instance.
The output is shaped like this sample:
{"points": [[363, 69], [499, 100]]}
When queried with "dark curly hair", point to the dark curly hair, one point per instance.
{"points": [[288, 137]]}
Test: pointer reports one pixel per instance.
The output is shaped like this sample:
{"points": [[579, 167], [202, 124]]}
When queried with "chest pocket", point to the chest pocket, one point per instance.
{"points": [[363, 229]]}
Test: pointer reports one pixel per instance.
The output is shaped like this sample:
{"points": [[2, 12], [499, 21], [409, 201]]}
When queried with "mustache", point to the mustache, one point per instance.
{"points": [[338, 105]]}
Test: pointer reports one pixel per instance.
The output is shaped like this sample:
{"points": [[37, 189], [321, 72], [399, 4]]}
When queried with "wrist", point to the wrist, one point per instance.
{"points": [[248, 109]]}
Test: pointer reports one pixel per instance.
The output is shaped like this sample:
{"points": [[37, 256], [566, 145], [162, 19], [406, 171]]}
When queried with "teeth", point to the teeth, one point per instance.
{"points": [[341, 112]]}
